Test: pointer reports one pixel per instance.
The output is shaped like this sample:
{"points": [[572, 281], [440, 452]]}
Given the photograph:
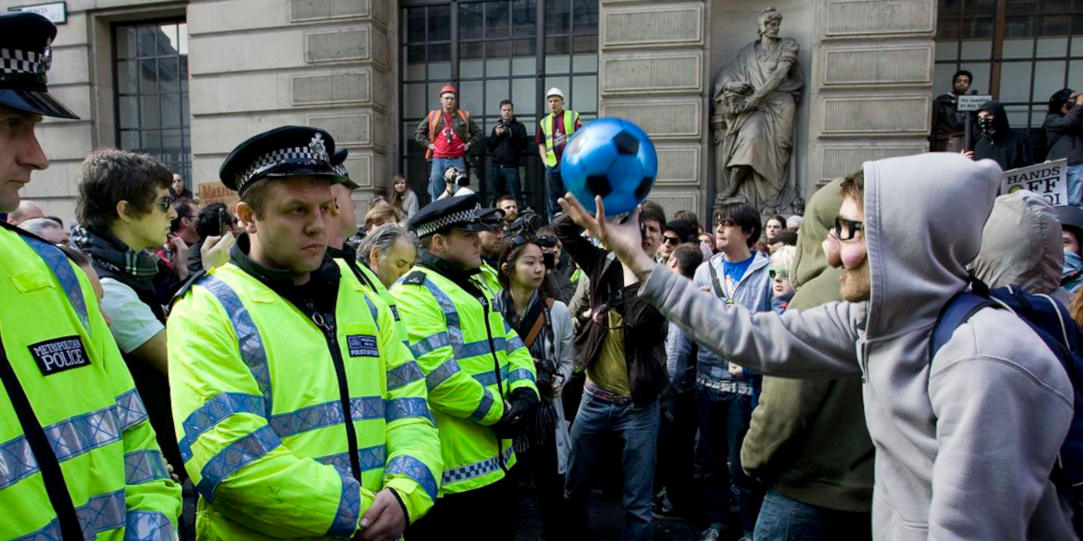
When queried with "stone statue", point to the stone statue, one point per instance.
{"points": [[756, 96]]}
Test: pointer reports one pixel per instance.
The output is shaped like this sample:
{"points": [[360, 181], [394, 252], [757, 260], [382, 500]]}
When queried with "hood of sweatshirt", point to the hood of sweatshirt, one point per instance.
{"points": [[820, 214], [1021, 244], [1000, 118], [924, 216]]}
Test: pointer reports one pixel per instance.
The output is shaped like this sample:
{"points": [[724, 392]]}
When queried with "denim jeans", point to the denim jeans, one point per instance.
{"points": [[436, 174], [554, 189], [723, 422], [1075, 185], [785, 519], [638, 428], [505, 180]]}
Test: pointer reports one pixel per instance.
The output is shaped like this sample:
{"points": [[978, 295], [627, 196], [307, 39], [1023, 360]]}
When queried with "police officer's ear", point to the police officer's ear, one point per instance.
{"points": [[246, 216]]}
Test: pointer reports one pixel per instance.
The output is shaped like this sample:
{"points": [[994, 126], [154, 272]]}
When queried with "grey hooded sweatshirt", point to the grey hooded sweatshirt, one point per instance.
{"points": [[964, 444], [1021, 245]]}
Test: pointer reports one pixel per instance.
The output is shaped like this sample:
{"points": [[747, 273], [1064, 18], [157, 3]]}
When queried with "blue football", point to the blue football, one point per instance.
{"points": [[613, 158]]}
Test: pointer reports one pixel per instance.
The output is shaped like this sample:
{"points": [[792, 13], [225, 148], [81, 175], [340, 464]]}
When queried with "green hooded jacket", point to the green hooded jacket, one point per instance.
{"points": [[808, 437]]}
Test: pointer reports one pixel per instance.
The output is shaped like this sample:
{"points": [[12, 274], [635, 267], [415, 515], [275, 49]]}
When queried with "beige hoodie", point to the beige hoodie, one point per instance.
{"points": [[1021, 244], [964, 446]]}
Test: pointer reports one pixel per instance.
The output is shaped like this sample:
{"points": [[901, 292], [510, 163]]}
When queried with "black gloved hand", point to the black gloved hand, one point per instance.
{"points": [[521, 406]]}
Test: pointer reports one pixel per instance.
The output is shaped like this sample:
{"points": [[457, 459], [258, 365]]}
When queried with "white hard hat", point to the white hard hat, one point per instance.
{"points": [[555, 92]]}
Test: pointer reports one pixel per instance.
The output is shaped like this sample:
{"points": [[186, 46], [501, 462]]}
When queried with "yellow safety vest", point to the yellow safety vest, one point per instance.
{"points": [[472, 360], [548, 128], [55, 342], [259, 411]]}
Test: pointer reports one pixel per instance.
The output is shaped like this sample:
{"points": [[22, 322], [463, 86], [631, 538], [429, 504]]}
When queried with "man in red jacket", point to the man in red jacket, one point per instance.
{"points": [[448, 133]]}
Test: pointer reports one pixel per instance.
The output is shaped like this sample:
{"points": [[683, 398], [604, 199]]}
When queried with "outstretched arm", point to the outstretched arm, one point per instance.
{"points": [[817, 342]]}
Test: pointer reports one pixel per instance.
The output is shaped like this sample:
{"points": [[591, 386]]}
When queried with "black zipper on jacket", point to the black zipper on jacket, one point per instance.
{"points": [[51, 475], [343, 390]]}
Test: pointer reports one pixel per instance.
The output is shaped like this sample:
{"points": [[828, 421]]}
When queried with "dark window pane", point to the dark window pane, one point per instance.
{"points": [[171, 110], [126, 41], [127, 75], [524, 61], [1019, 27], [129, 140], [184, 73], [948, 28], [978, 27], [949, 7], [585, 17], [470, 59], [439, 23], [1055, 25], [471, 21], [152, 142], [585, 44], [128, 111], [148, 74], [497, 20], [1056, 6], [558, 16], [147, 41], [523, 18], [169, 74], [148, 109], [558, 45], [497, 56], [415, 25], [1022, 7]]}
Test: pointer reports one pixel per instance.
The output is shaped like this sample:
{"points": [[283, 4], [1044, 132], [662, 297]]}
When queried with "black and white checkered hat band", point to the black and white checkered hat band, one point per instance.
{"points": [[462, 217], [18, 62], [296, 155]]}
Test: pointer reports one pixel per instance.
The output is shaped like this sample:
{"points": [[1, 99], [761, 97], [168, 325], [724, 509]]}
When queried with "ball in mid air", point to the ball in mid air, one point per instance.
{"points": [[613, 158]]}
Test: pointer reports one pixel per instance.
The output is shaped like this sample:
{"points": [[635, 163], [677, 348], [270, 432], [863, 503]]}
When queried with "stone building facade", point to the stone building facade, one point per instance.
{"points": [[249, 65]]}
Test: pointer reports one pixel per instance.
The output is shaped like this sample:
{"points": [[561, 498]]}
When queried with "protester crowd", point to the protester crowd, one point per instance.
{"points": [[289, 367]]}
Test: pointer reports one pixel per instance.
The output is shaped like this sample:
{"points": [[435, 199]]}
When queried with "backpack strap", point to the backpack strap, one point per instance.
{"points": [[716, 282], [962, 306], [539, 323]]}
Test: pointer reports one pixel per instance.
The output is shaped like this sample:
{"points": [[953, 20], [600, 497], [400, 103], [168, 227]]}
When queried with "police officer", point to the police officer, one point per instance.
{"points": [[300, 411], [78, 458], [479, 375]]}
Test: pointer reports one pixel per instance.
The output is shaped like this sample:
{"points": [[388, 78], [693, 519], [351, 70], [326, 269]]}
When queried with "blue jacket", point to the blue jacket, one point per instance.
{"points": [[753, 291]]}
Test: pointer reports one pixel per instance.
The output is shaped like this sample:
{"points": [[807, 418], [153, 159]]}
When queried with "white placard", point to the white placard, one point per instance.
{"points": [[1049, 180], [57, 12], [971, 102]]}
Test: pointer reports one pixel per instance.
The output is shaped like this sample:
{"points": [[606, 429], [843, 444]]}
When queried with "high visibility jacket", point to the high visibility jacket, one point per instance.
{"points": [[472, 360], [373, 285], [57, 352], [492, 279], [259, 410], [569, 118]]}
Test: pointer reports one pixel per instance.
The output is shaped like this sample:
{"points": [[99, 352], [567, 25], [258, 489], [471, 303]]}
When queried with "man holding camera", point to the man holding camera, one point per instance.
{"points": [[506, 145], [479, 375]]}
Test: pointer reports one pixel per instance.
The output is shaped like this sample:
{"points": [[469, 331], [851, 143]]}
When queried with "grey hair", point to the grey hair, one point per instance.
{"points": [[769, 13], [38, 226], [383, 238]]}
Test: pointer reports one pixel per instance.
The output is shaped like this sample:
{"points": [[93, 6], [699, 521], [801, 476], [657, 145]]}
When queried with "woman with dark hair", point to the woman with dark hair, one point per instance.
{"points": [[545, 327], [1063, 130]]}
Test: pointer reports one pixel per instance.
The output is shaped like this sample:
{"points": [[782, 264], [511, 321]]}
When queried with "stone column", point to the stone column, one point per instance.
{"points": [[258, 64], [652, 71], [871, 85]]}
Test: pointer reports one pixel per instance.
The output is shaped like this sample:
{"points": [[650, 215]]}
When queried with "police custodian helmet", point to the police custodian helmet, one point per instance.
{"points": [[25, 55]]}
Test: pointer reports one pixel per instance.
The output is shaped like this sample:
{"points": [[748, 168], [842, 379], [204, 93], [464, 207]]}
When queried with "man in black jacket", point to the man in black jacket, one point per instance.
{"points": [[622, 350], [506, 145], [949, 124], [998, 141]]}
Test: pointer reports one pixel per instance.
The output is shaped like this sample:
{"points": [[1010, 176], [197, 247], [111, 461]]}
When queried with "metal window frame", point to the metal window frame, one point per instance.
{"points": [[184, 126], [484, 118]]}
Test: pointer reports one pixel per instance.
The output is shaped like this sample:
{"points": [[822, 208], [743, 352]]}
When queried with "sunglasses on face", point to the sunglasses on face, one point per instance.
{"points": [[671, 240], [846, 229], [778, 274], [164, 202]]}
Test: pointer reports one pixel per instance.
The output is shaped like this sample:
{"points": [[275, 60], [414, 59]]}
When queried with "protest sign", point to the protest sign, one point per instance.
{"points": [[972, 102], [1049, 180], [216, 192]]}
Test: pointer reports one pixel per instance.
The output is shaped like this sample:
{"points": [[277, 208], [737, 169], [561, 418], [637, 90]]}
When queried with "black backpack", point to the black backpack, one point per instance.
{"points": [[1051, 321]]}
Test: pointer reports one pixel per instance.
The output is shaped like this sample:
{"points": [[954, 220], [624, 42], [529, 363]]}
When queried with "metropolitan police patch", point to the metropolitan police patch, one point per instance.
{"points": [[59, 354], [362, 345]]}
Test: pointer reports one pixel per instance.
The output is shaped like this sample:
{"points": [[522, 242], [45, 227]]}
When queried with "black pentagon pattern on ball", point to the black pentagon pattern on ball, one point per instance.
{"points": [[644, 187], [599, 185], [626, 143]]}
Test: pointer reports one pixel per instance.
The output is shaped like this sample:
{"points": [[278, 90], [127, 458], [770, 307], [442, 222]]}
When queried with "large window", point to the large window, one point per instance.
{"points": [[152, 92], [489, 49], [1020, 51]]}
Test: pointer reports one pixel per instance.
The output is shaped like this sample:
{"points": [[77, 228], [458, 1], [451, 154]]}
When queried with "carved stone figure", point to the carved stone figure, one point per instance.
{"points": [[756, 96]]}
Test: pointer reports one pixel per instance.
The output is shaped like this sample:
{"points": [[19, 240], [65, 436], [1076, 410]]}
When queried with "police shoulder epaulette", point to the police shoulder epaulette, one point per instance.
{"points": [[187, 285], [416, 278]]}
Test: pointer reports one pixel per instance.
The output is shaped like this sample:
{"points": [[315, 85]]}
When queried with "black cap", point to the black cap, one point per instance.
{"points": [[461, 212], [1070, 218], [288, 151], [25, 55], [338, 161], [683, 229]]}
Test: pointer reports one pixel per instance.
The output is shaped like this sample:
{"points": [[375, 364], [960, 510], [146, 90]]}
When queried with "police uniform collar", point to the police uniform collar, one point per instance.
{"points": [[446, 268]]}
